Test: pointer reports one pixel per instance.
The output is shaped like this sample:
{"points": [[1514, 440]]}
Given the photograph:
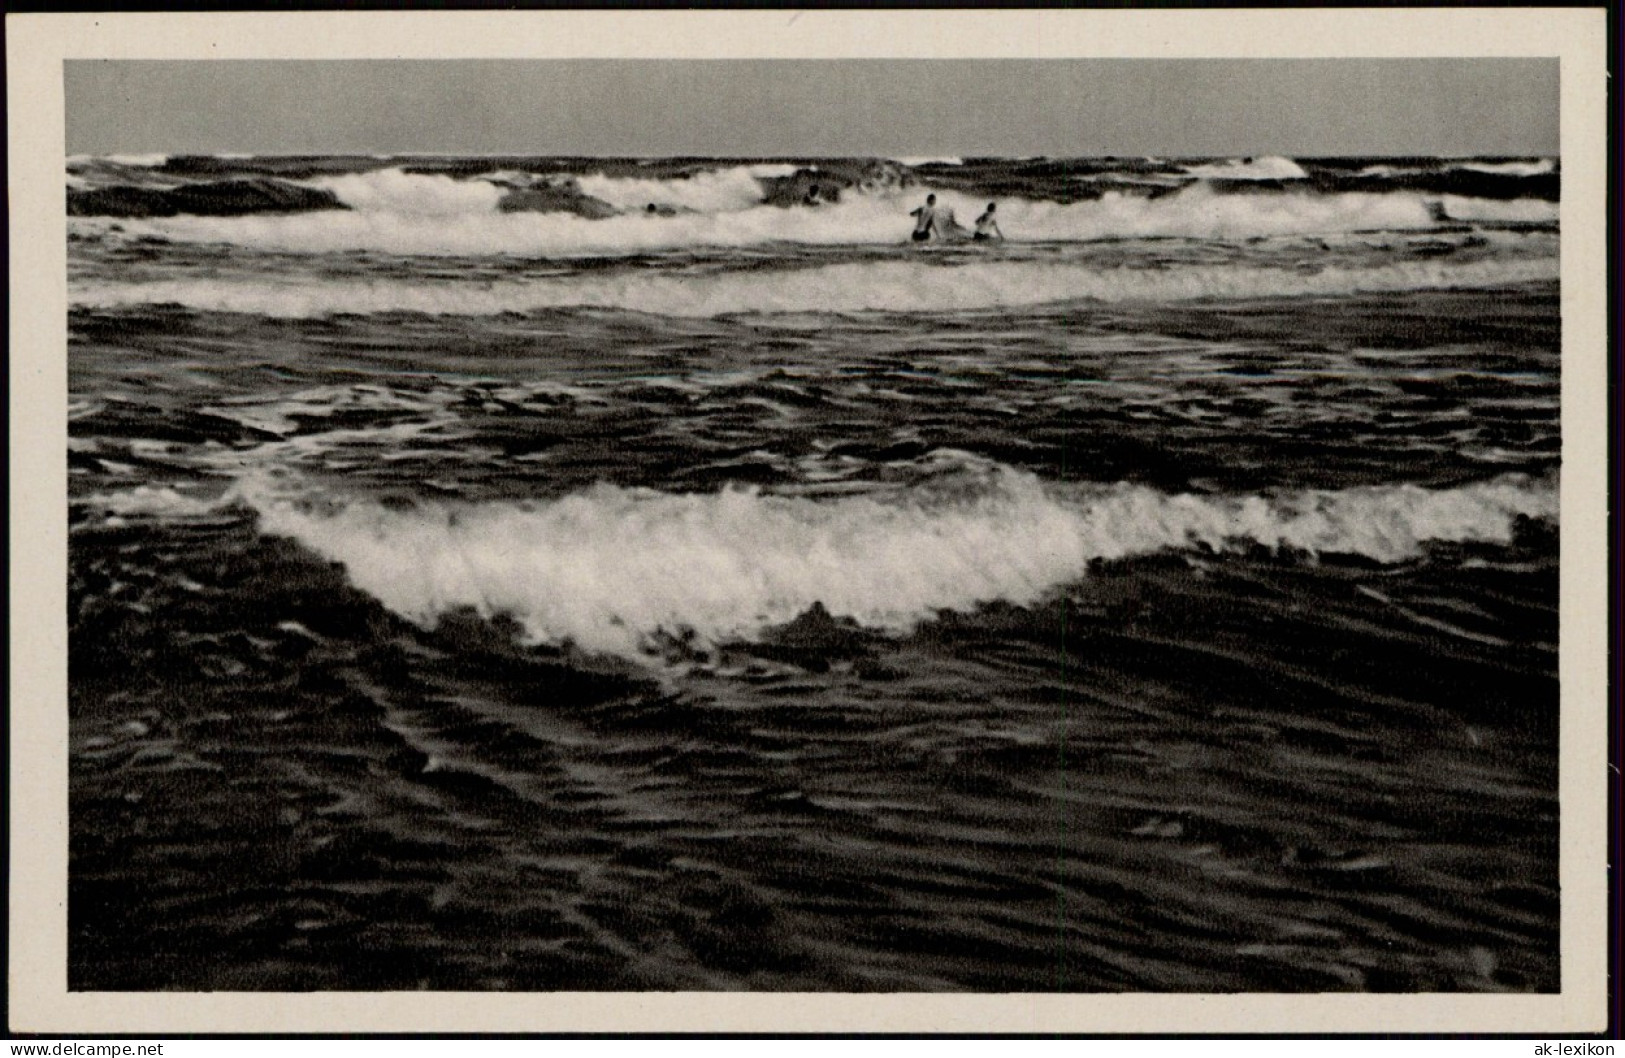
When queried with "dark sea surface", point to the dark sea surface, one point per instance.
{"points": [[480, 579]]}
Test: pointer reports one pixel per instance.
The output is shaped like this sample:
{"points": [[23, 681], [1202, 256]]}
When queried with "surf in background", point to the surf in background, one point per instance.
{"points": [[451, 207]]}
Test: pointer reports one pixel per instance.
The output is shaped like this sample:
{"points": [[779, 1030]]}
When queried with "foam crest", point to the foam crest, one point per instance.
{"points": [[1535, 168], [890, 286], [411, 194], [1270, 168], [135, 161], [1199, 212], [1538, 167], [152, 501], [710, 191], [1489, 210], [610, 569]]}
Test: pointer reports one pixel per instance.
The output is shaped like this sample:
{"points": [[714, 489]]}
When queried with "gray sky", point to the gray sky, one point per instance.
{"points": [[742, 108]]}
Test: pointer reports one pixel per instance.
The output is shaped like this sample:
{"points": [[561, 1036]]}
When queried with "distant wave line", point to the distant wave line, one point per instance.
{"points": [[868, 286]]}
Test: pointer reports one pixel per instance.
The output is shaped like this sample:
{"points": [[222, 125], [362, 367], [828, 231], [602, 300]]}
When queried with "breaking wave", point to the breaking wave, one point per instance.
{"points": [[709, 191], [439, 216], [611, 569], [860, 286], [1489, 210], [1272, 168], [135, 161], [1539, 167], [411, 195]]}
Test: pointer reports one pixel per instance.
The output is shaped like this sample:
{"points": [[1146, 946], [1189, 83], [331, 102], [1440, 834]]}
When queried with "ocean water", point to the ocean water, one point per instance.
{"points": [[573, 574]]}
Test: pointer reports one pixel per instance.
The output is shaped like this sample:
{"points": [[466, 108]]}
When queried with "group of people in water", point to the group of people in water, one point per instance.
{"points": [[932, 221]]}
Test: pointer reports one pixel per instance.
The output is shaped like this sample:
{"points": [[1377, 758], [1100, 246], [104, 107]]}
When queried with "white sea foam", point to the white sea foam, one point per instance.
{"points": [[709, 191], [138, 161], [609, 568], [1199, 212], [411, 195], [150, 501], [1268, 168], [1536, 168], [1540, 167], [420, 195], [892, 286], [412, 214], [1518, 210]]}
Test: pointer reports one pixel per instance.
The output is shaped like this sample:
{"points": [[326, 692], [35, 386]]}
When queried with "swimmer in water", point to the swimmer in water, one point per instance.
{"points": [[928, 220], [987, 229]]}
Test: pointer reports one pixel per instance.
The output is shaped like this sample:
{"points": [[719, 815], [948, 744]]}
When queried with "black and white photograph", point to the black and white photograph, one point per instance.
{"points": [[1055, 523]]}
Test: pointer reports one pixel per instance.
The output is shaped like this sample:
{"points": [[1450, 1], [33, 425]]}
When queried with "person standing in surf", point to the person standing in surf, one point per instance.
{"points": [[928, 220], [986, 227]]}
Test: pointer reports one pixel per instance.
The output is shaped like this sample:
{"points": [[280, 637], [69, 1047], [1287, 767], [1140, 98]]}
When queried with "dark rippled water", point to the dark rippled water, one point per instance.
{"points": [[813, 617]]}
